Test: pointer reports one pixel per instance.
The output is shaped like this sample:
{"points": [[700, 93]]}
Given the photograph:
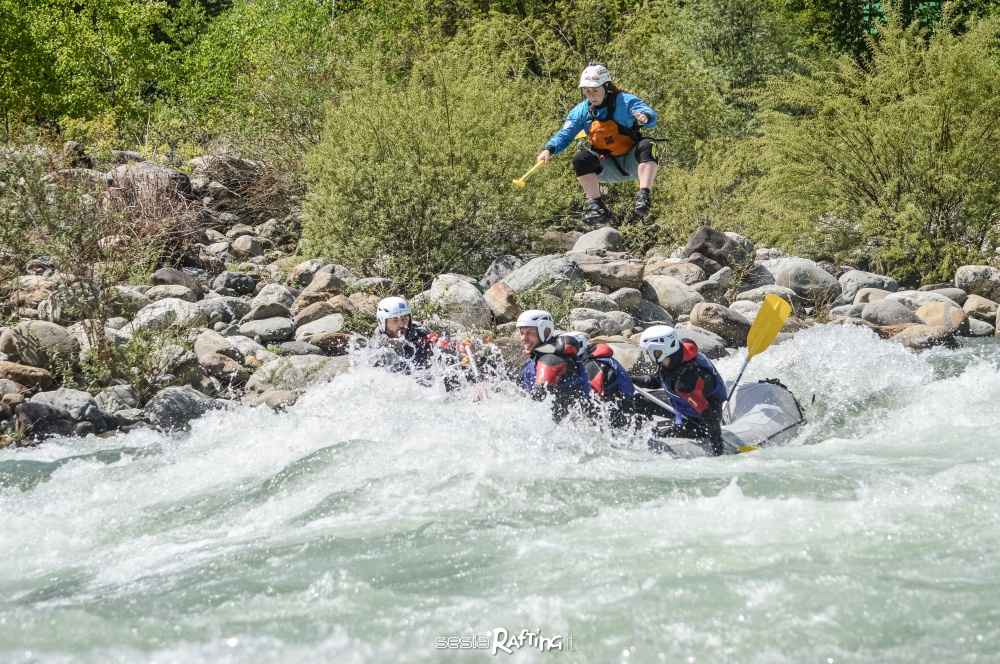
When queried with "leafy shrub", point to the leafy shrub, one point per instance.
{"points": [[413, 179]]}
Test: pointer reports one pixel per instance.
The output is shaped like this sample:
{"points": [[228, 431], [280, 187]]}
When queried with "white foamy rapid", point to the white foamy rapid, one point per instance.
{"points": [[376, 517]]}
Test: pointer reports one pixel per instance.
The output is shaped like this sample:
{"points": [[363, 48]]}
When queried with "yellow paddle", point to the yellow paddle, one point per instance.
{"points": [[521, 182], [769, 321]]}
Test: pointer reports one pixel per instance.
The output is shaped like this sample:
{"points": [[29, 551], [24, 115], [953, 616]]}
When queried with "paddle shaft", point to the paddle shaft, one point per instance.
{"points": [[649, 397]]}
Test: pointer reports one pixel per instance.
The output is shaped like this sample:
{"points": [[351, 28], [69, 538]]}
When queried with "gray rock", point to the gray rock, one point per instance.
{"points": [[853, 281], [39, 344], [38, 420], [758, 294], [809, 281], [746, 308], [273, 294], [303, 273], [956, 295], [756, 276], [605, 238], [324, 282], [711, 291], [324, 325], [168, 276], [688, 273], [888, 312], [502, 302], [847, 311], [460, 301], [612, 270], [554, 274], [173, 408], [266, 311], [296, 372], [164, 314], [594, 323], [239, 230], [595, 300], [982, 280], [268, 330], [126, 300], [78, 406], [866, 295], [157, 293], [300, 348], [919, 337], [235, 283], [371, 285], [979, 307], [626, 299], [652, 313], [707, 265], [627, 354], [246, 246], [223, 309], [980, 328], [711, 344], [498, 269], [726, 323], [117, 398], [916, 299], [252, 351], [673, 295], [720, 247], [724, 277], [150, 184]]}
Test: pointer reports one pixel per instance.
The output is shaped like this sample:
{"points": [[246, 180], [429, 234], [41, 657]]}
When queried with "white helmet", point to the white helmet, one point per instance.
{"points": [[595, 76], [540, 320], [391, 307], [659, 342]]}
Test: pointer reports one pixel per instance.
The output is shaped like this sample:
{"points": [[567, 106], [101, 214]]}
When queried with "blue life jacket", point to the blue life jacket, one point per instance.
{"points": [[606, 375], [578, 382], [693, 404]]}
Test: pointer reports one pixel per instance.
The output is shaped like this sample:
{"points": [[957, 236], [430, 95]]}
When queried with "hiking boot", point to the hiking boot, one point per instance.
{"points": [[643, 201], [597, 213]]}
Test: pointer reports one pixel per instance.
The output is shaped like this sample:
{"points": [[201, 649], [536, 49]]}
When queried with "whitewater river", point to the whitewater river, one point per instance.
{"points": [[376, 519]]}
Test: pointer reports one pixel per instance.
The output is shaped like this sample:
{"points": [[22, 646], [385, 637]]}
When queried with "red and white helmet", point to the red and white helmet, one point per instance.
{"points": [[391, 307], [594, 76], [659, 342], [539, 319]]}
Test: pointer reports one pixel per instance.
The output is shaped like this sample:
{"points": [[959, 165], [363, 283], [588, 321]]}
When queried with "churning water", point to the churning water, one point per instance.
{"points": [[377, 518]]}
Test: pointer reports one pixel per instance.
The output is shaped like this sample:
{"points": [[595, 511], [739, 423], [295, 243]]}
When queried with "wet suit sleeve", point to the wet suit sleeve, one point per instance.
{"points": [[576, 121], [650, 382]]}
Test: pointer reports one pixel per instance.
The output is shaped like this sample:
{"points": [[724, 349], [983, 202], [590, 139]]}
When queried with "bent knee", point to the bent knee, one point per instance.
{"points": [[586, 162]]}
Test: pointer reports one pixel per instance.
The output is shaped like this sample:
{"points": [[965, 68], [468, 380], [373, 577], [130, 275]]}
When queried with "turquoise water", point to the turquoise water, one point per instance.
{"points": [[376, 519]]}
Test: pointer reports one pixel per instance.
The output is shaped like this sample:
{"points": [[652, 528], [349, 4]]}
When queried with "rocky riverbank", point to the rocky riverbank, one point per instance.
{"points": [[243, 320]]}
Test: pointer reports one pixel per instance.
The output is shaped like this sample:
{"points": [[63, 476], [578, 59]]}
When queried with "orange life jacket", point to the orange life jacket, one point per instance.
{"points": [[607, 137]]}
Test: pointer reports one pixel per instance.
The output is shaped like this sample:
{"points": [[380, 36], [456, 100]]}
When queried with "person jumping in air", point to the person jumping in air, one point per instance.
{"points": [[615, 150]]}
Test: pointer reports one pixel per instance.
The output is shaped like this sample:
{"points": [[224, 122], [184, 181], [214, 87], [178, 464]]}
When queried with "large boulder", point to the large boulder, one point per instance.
{"points": [[720, 247], [605, 239], [296, 372], [916, 299], [651, 313], [689, 273], [613, 270], [168, 276], [627, 354], [303, 273], [943, 314], [673, 295], [502, 301], [758, 295], [980, 328], [888, 312], [164, 314], [28, 376], [982, 308], [219, 356], [460, 301], [223, 309], [710, 343], [595, 300], [157, 293], [626, 299], [727, 323], [754, 277], [809, 281], [500, 268], [230, 171], [268, 330], [326, 283], [173, 408], [150, 185], [38, 420], [866, 295], [956, 295], [983, 280], [235, 283], [324, 325], [919, 337], [78, 406], [746, 308], [40, 344], [853, 281], [554, 274], [273, 301], [594, 323]]}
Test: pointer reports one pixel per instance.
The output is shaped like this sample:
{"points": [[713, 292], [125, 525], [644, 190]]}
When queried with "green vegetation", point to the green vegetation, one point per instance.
{"points": [[861, 132]]}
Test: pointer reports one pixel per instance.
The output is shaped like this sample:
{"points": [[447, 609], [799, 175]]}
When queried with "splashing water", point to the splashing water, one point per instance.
{"points": [[376, 518]]}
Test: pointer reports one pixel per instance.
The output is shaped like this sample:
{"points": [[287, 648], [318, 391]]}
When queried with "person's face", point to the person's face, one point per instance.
{"points": [[594, 95], [395, 327], [529, 339]]}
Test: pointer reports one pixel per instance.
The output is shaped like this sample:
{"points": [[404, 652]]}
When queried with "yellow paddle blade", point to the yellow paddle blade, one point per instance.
{"points": [[770, 319]]}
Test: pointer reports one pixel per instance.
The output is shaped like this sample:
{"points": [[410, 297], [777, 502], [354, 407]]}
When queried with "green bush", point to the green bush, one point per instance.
{"points": [[895, 162], [414, 179]]}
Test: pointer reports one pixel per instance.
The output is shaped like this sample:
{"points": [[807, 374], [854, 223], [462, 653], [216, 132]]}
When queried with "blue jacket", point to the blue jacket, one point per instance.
{"points": [[685, 387], [579, 119], [614, 383]]}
